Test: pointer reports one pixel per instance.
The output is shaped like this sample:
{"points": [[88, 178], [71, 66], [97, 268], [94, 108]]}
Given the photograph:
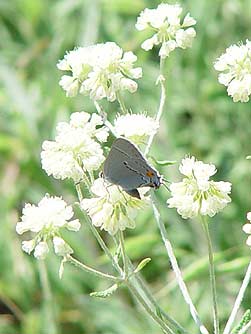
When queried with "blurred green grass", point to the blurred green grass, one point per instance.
{"points": [[199, 119]]}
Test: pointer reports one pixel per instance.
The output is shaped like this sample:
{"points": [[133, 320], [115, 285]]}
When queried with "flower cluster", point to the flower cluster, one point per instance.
{"points": [[247, 229], [100, 71], [169, 31], [112, 209], [75, 149], [135, 127], [235, 68], [196, 194], [46, 220]]}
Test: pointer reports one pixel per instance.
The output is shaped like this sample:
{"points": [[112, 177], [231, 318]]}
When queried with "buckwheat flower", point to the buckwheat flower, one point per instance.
{"points": [[112, 209], [76, 148], [46, 220], [235, 68], [196, 194], [100, 71], [135, 127], [247, 229], [169, 31]]}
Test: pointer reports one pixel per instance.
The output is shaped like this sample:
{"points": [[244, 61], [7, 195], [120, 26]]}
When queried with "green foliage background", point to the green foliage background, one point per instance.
{"points": [[199, 119]]}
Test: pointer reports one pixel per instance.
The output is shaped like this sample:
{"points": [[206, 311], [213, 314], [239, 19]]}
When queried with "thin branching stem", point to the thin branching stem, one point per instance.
{"points": [[212, 276], [238, 300], [90, 270], [132, 287], [177, 271], [123, 253], [121, 103], [50, 316], [104, 118], [97, 235], [144, 287], [148, 309], [161, 80]]}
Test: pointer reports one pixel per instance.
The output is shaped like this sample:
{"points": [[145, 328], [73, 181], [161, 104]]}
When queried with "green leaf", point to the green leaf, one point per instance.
{"points": [[142, 264], [248, 157], [244, 320], [105, 293]]}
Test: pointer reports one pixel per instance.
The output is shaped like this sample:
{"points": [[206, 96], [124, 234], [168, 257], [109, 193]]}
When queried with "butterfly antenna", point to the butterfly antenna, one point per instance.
{"points": [[166, 186], [165, 180]]}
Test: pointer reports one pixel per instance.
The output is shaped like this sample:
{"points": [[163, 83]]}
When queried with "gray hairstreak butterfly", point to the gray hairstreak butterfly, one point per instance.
{"points": [[126, 167]]}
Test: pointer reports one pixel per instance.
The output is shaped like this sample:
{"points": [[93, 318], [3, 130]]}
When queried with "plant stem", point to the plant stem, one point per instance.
{"points": [[121, 103], [161, 79], [123, 252], [147, 292], [97, 235], [238, 300], [140, 298], [177, 271], [212, 276], [91, 270], [154, 316], [104, 118], [49, 310]]}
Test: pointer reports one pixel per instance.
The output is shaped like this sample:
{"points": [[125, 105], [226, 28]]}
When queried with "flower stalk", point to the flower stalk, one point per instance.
{"points": [[161, 80], [90, 270], [177, 271], [143, 300], [238, 300], [212, 276]]}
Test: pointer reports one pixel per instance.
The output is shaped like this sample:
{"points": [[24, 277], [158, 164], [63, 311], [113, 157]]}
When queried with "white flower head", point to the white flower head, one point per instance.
{"points": [[99, 71], [247, 229], [76, 148], [112, 209], [135, 127], [46, 220], [235, 68], [196, 193], [169, 31]]}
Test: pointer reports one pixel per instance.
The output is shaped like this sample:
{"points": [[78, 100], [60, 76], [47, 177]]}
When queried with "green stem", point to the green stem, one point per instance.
{"points": [[239, 299], [161, 79], [132, 288], [49, 310], [177, 271], [104, 118], [121, 103], [123, 253], [91, 270], [142, 284], [148, 309], [97, 235], [212, 276]]}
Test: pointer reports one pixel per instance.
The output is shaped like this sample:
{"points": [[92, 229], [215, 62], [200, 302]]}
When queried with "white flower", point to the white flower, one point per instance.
{"points": [[41, 250], [112, 209], [169, 32], [61, 248], [247, 229], [46, 220], [136, 127], [75, 149], [235, 68], [100, 71], [196, 194]]}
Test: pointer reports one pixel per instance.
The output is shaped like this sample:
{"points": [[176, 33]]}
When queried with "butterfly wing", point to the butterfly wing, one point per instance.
{"points": [[125, 165]]}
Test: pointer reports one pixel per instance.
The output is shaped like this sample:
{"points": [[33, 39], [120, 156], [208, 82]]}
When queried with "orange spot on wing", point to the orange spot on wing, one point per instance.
{"points": [[149, 173]]}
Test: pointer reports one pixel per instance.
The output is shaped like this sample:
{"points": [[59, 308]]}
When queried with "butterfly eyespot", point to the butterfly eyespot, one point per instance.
{"points": [[149, 173]]}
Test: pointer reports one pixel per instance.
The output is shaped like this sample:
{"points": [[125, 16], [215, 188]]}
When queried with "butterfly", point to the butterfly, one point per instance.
{"points": [[126, 167]]}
